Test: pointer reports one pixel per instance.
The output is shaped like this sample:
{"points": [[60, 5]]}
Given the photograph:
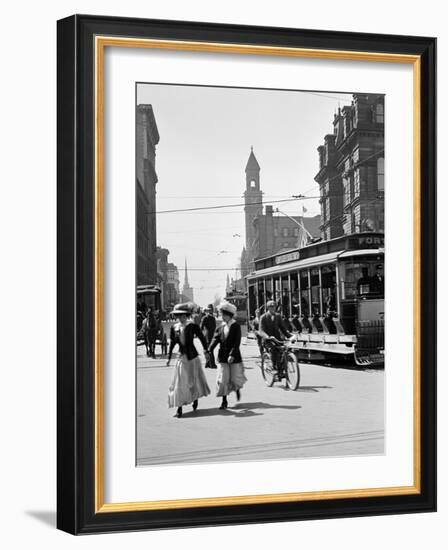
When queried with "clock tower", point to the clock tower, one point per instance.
{"points": [[253, 207]]}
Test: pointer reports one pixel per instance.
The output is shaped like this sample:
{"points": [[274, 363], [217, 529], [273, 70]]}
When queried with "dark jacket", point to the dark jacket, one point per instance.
{"points": [[191, 330], [208, 327], [273, 325], [230, 346]]}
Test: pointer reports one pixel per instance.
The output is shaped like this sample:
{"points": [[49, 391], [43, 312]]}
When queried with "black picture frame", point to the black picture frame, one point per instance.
{"points": [[77, 510]]}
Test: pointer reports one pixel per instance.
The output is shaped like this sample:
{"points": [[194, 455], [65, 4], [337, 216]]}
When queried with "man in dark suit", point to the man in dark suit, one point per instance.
{"points": [[208, 327], [273, 327], [377, 281]]}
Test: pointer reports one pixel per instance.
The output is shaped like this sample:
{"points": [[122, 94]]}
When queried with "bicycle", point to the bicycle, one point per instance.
{"points": [[283, 366]]}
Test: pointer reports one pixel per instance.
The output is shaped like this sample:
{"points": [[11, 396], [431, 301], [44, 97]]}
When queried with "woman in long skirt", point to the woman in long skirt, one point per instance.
{"points": [[230, 374], [189, 382]]}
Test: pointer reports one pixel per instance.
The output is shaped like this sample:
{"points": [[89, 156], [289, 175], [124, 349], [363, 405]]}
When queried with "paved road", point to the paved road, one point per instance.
{"points": [[335, 412]]}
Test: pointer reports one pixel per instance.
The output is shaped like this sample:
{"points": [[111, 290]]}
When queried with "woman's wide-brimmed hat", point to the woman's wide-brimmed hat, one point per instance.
{"points": [[227, 306], [182, 309]]}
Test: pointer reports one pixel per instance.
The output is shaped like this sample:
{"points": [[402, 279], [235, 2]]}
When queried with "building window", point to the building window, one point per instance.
{"points": [[380, 173], [285, 232], [356, 184], [253, 184], [355, 156], [379, 113], [296, 231], [347, 191], [275, 232]]}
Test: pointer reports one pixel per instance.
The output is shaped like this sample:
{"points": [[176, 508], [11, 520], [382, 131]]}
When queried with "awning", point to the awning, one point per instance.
{"points": [[294, 266]]}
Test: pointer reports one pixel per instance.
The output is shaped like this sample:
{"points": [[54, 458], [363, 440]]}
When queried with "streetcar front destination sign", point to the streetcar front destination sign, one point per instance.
{"points": [[289, 257]]}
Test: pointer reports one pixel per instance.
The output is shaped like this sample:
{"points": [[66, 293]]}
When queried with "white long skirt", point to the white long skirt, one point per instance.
{"points": [[189, 382], [229, 377]]}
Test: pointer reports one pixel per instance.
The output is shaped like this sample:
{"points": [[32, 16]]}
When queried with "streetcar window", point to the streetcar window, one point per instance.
{"points": [[260, 293], [277, 290], [304, 298], [362, 279], [315, 291], [295, 298], [269, 290], [329, 289], [285, 296]]}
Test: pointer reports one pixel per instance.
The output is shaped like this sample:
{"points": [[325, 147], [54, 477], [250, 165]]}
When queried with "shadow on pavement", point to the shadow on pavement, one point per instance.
{"points": [[313, 388], [309, 389], [202, 413], [241, 410], [261, 405]]}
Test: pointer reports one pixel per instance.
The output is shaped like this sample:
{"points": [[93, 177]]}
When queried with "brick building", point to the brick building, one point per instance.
{"points": [[351, 169], [146, 237]]}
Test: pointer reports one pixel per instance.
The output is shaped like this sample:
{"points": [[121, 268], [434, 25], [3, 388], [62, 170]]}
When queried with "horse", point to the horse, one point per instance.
{"points": [[150, 330]]}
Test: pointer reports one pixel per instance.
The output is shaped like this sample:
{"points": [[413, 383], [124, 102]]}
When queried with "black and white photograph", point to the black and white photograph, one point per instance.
{"points": [[260, 255]]}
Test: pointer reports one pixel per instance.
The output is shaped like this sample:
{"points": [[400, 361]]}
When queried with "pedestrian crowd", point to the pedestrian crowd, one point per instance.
{"points": [[189, 382]]}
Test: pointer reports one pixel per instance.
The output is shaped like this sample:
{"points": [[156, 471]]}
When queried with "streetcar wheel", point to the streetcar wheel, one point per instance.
{"points": [[267, 369], [292, 372]]}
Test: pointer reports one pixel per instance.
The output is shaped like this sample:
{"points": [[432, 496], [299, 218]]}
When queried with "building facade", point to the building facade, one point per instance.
{"points": [[266, 233], [146, 236], [173, 285], [351, 169], [162, 275], [274, 233]]}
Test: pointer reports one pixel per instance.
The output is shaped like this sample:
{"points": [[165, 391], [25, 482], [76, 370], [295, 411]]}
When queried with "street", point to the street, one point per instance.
{"points": [[335, 412]]}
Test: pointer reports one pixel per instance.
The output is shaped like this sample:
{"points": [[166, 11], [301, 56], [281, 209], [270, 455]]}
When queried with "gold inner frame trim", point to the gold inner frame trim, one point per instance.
{"points": [[101, 42]]}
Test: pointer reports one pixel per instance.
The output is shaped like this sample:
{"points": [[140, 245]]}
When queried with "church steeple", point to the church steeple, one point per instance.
{"points": [[187, 291]]}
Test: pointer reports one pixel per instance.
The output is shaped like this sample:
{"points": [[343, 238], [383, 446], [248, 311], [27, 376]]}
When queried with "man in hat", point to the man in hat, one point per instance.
{"points": [[377, 281], [208, 327], [272, 327]]}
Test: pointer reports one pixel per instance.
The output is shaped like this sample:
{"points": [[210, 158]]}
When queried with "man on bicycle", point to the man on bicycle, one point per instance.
{"points": [[272, 328]]}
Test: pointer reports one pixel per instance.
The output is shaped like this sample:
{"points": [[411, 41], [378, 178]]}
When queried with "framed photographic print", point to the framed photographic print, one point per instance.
{"points": [[246, 274]]}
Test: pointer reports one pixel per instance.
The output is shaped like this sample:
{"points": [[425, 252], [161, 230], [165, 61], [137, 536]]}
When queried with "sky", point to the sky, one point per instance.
{"points": [[206, 135]]}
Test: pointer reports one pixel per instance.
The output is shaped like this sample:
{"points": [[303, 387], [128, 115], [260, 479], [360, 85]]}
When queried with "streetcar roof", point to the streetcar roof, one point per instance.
{"points": [[323, 259], [148, 289]]}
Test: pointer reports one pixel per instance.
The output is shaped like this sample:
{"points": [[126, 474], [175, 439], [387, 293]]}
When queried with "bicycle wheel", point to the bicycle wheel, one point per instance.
{"points": [[292, 372], [267, 369]]}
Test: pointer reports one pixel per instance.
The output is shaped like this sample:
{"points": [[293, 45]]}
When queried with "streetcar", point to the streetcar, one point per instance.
{"points": [[331, 296], [239, 300], [148, 296]]}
